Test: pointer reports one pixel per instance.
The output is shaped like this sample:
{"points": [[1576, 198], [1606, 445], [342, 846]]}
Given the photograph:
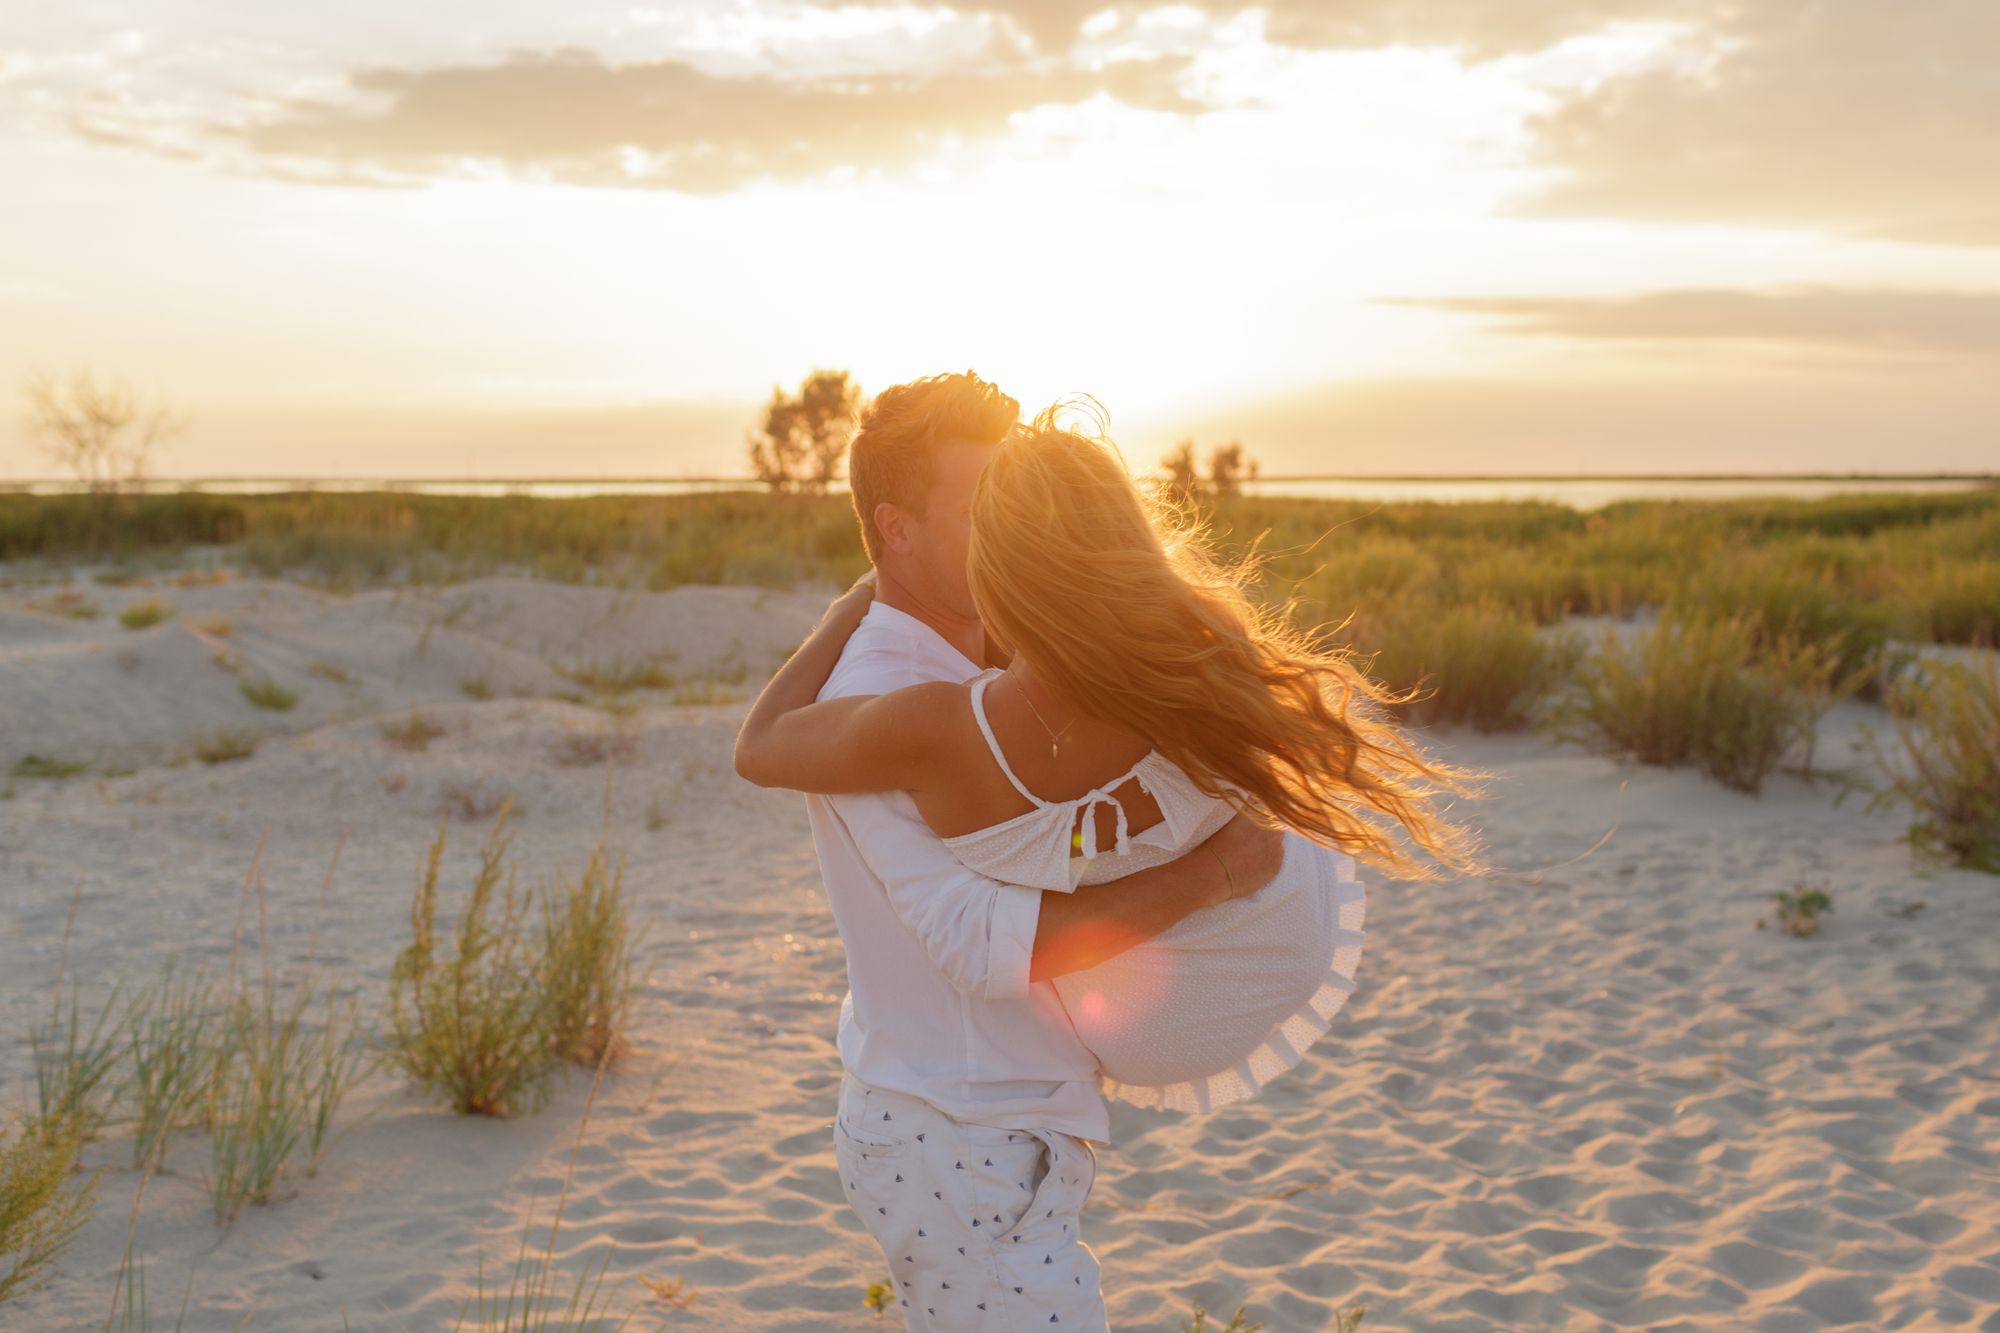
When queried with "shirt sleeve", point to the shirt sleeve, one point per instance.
{"points": [[979, 932]]}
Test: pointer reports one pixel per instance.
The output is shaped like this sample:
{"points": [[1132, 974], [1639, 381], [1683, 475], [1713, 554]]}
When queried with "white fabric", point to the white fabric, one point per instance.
{"points": [[981, 1226], [939, 1004], [1212, 1009]]}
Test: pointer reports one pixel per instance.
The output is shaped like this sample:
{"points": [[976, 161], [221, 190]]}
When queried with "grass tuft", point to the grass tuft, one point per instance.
{"points": [[268, 693], [1799, 910], [413, 733], [1704, 690], [1482, 664], [587, 961], [141, 615], [1238, 1322], [223, 744], [41, 766], [39, 1213], [1948, 743], [473, 1027]]}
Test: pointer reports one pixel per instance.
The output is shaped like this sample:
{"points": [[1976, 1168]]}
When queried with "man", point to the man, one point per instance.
{"points": [[969, 1107]]}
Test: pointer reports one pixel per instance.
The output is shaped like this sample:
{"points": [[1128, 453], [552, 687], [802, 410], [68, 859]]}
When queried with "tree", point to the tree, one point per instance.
{"points": [[804, 438], [1226, 465], [1229, 465], [102, 433], [1183, 481]]}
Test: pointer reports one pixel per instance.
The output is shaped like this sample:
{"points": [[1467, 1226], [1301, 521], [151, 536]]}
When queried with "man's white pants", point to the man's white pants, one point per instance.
{"points": [[980, 1225]]}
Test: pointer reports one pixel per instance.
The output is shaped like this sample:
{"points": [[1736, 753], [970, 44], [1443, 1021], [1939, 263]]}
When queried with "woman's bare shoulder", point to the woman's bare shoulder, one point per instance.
{"points": [[932, 703]]}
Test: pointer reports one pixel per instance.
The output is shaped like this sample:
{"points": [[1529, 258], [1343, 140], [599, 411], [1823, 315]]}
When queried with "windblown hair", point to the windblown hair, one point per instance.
{"points": [[893, 456], [1117, 602]]}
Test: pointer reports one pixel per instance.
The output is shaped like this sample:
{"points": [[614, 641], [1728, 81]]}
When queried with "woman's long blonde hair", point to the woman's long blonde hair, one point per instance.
{"points": [[1117, 601]]}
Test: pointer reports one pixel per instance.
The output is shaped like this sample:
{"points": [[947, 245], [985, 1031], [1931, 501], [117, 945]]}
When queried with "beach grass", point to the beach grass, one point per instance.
{"points": [[1706, 690], [1913, 566], [76, 1065], [223, 744], [1945, 762], [416, 732], [645, 673], [1197, 1321], [267, 693], [74, 1082], [144, 614], [473, 1027], [587, 943], [43, 766], [174, 1036], [1479, 664], [41, 1206]]}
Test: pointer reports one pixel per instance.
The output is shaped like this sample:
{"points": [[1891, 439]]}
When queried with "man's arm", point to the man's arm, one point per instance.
{"points": [[1082, 928], [994, 939]]}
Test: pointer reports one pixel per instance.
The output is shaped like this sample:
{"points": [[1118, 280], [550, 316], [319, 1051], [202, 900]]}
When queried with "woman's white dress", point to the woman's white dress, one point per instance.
{"points": [[1210, 1010]]}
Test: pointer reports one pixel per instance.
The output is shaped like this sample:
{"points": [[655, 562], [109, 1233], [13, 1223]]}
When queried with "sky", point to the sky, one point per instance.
{"points": [[499, 239]]}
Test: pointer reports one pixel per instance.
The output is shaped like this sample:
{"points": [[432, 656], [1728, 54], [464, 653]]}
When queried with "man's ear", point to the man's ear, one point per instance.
{"points": [[893, 524]]}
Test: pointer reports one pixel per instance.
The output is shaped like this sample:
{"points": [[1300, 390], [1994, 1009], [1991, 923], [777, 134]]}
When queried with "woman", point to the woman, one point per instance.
{"points": [[1145, 700]]}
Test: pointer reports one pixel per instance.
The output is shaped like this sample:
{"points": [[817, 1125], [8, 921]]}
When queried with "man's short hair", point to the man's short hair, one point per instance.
{"points": [[893, 456]]}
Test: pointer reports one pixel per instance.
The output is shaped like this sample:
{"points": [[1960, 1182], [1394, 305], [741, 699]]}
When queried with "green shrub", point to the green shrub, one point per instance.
{"points": [[1481, 665], [267, 693], [41, 766], [1799, 909], [415, 733], [1957, 603], [1705, 691], [646, 673], [1787, 607], [39, 1213], [587, 962], [474, 1027], [226, 743], [140, 615], [1948, 738]]}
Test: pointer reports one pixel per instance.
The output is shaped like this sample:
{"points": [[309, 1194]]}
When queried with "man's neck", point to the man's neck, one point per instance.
{"points": [[964, 633]]}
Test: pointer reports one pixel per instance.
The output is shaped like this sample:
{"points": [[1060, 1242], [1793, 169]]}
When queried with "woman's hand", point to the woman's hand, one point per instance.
{"points": [[1249, 856], [849, 608]]}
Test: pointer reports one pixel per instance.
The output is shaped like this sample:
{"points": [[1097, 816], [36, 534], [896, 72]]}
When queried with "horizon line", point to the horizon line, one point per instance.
{"points": [[754, 482]]}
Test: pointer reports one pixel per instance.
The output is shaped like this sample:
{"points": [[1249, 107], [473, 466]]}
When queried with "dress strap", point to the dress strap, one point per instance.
{"points": [[979, 685]]}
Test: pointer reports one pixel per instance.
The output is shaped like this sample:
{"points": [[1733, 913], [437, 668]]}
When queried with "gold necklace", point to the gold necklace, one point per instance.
{"points": [[1054, 735]]}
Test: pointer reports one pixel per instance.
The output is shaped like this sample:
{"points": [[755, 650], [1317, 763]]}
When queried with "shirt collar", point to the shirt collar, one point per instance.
{"points": [[887, 617]]}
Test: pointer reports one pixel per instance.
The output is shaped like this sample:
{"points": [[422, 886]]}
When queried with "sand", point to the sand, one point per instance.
{"points": [[1587, 1093]]}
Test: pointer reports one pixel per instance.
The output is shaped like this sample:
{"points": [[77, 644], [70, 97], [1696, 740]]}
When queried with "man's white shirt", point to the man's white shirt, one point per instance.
{"points": [[939, 1004]]}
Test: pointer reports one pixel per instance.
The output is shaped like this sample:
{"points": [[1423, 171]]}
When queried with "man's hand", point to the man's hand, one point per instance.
{"points": [[1249, 854]]}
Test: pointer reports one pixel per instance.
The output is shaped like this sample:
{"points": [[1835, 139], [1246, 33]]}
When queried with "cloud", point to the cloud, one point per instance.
{"points": [[1868, 320], [568, 116], [1482, 29], [1848, 115]]}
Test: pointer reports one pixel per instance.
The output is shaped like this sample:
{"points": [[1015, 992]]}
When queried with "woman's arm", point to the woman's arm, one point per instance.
{"points": [[878, 742]]}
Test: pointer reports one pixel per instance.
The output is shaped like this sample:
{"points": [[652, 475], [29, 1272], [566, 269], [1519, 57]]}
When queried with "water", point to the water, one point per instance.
{"points": [[1584, 493]]}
